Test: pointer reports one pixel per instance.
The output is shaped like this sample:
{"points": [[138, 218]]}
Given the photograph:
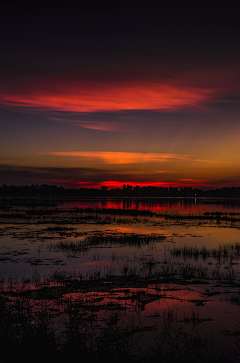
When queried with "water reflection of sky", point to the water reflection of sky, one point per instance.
{"points": [[25, 256], [191, 205], [24, 248]]}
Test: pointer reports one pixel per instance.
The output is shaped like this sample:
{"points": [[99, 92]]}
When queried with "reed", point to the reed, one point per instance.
{"points": [[223, 252]]}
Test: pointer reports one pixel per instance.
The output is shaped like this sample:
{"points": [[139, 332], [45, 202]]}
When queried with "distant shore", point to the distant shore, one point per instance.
{"points": [[126, 191]]}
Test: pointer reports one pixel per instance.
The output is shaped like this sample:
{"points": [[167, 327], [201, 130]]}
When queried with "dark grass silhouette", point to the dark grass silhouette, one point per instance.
{"points": [[28, 332], [38, 322]]}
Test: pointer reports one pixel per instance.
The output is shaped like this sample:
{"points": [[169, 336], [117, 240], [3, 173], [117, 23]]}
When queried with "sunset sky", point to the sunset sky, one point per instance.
{"points": [[101, 94]]}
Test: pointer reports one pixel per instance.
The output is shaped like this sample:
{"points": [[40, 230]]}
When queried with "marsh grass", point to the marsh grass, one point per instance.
{"points": [[73, 248], [63, 216], [224, 252], [63, 314]]}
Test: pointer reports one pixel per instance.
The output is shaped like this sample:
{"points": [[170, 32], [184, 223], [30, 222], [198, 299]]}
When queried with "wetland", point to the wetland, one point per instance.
{"points": [[141, 280]]}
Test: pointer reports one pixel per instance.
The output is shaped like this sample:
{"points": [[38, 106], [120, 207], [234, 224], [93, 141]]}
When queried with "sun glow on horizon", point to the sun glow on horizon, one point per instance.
{"points": [[115, 184]]}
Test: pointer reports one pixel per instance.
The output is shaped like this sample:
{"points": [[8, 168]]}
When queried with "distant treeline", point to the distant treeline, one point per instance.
{"points": [[125, 191]]}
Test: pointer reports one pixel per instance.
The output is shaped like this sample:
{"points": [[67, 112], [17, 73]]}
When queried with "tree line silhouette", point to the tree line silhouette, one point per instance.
{"points": [[125, 191]]}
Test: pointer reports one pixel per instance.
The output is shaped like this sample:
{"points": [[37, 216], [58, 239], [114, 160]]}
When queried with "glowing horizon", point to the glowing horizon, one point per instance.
{"points": [[114, 184]]}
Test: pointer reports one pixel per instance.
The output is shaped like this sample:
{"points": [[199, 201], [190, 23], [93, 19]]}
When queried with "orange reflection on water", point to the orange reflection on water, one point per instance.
{"points": [[131, 204], [181, 205]]}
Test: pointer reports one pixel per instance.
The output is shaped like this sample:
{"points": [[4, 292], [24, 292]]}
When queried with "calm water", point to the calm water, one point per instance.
{"points": [[28, 244], [184, 205]]}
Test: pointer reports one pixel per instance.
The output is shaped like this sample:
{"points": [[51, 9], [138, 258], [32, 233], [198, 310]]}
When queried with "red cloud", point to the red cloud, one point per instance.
{"points": [[110, 97]]}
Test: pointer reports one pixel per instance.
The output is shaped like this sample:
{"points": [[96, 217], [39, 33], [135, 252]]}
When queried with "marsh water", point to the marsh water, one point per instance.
{"points": [[31, 237], [147, 262]]}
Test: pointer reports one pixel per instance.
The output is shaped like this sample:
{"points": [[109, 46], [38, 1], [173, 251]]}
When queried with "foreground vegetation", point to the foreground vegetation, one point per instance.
{"points": [[66, 315]]}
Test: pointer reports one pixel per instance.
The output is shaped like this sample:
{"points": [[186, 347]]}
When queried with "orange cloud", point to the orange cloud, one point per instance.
{"points": [[120, 157], [111, 97], [212, 161]]}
